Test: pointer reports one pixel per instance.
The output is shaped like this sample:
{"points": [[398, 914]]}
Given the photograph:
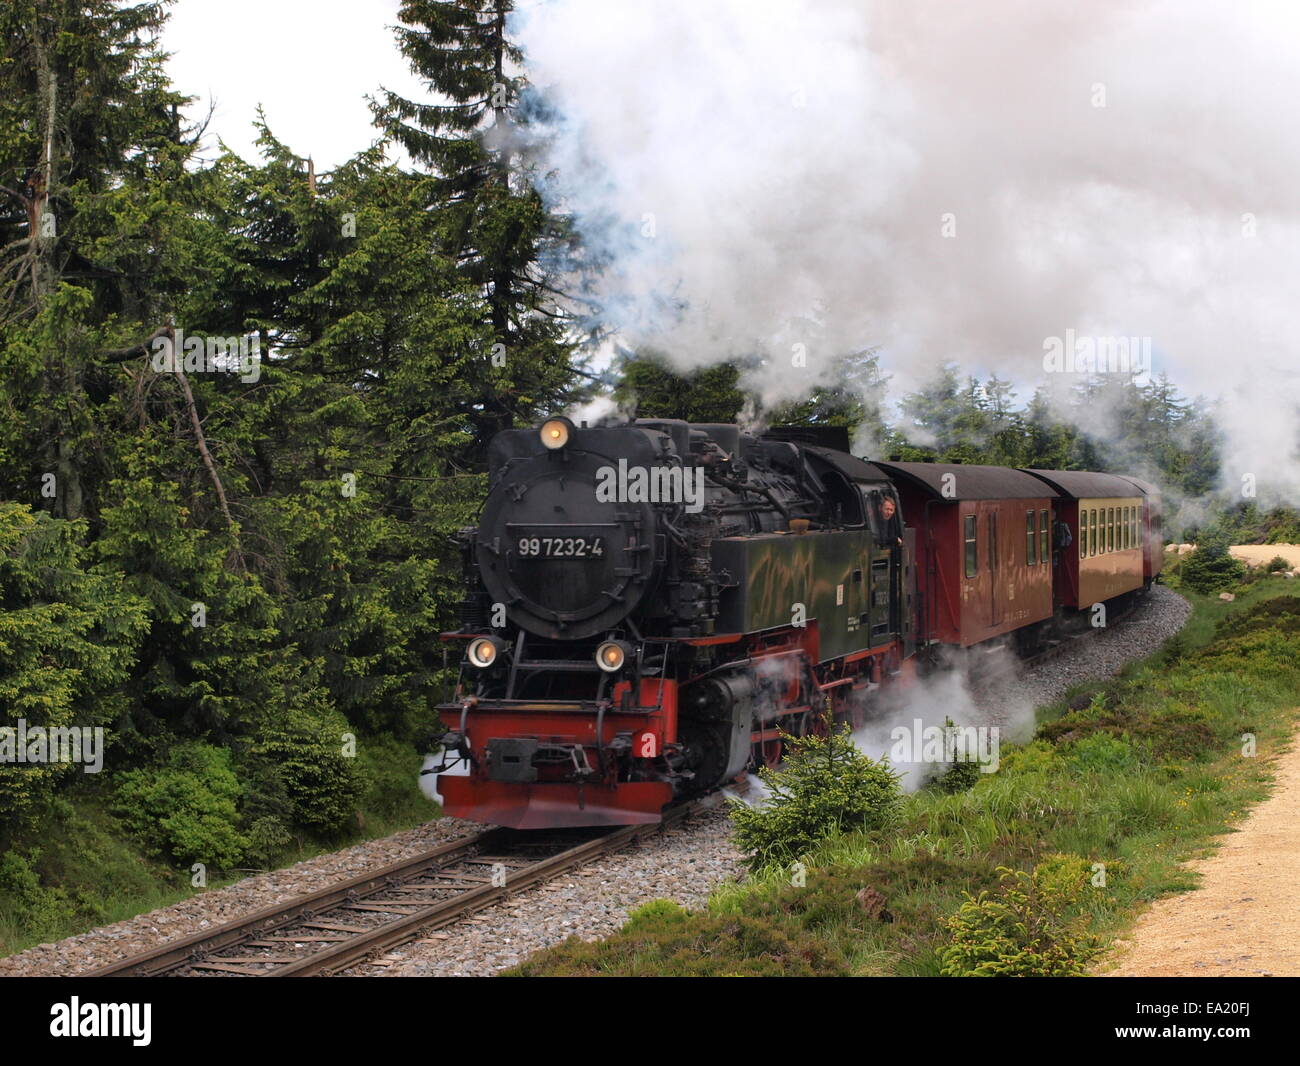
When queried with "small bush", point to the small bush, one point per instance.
{"points": [[321, 784], [1211, 569], [655, 910], [962, 774], [1276, 565], [1175, 649], [267, 839], [825, 787], [1024, 929], [187, 810]]}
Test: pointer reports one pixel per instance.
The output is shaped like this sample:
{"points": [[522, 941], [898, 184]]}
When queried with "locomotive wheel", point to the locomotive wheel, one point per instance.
{"points": [[706, 745]]}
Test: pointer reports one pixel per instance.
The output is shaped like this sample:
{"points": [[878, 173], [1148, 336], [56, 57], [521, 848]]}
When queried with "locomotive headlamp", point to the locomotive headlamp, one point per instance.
{"points": [[611, 655], [556, 432], [484, 651]]}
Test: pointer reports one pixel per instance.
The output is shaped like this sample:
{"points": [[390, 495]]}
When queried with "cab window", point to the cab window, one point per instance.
{"points": [[972, 551], [886, 519]]}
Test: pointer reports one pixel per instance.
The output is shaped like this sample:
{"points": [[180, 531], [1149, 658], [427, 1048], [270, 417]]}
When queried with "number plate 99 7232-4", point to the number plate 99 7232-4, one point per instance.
{"points": [[561, 547]]}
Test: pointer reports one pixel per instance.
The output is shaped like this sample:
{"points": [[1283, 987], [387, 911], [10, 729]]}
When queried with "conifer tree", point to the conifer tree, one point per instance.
{"points": [[508, 247], [91, 163]]}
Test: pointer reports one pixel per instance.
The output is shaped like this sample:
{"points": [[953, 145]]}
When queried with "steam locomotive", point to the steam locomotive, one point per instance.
{"points": [[650, 607]]}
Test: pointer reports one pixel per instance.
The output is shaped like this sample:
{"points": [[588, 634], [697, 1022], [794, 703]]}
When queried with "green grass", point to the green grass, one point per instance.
{"points": [[85, 870], [1141, 776]]}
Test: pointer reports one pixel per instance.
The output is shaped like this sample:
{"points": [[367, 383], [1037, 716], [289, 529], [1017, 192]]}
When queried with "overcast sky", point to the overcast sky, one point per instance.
{"points": [[309, 63]]}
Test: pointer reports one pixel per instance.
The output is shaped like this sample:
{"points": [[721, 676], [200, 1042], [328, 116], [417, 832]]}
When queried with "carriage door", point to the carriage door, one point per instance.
{"points": [[995, 583]]}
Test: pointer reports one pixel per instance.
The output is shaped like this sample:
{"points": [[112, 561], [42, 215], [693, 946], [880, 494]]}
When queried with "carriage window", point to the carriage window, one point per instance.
{"points": [[1092, 531], [1110, 529], [1128, 529], [1043, 543], [1031, 541], [972, 559], [1137, 530]]}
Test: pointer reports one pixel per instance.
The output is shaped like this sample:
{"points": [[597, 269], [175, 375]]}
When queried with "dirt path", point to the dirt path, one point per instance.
{"points": [[1244, 920], [1259, 554]]}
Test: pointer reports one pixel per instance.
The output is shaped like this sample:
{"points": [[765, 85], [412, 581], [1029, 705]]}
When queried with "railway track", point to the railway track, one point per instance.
{"points": [[340, 925], [337, 926]]}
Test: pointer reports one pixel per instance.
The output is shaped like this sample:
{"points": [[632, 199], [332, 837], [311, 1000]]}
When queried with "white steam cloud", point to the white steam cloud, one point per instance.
{"points": [[949, 181]]}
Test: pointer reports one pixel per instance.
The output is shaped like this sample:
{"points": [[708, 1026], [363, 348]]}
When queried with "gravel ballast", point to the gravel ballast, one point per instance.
{"points": [[77, 954], [1156, 618], [683, 864]]}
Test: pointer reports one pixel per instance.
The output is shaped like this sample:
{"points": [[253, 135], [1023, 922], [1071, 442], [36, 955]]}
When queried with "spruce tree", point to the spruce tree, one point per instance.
{"points": [[91, 164], [508, 247]]}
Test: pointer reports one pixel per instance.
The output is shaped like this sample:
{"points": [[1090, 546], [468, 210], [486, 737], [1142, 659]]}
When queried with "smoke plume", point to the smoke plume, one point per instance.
{"points": [[952, 182]]}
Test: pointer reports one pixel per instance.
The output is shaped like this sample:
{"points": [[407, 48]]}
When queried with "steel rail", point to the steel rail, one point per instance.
{"points": [[182, 954], [446, 912], [177, 953]]}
